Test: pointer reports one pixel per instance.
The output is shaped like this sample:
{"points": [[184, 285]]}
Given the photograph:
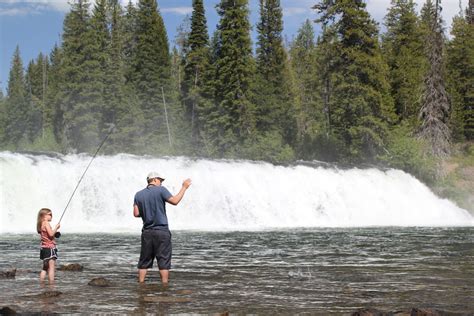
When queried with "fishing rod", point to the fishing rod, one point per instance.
{"points": [[111, 129]]}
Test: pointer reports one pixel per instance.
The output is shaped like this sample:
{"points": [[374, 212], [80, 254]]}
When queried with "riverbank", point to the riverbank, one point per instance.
{"points": [[457, 183]]}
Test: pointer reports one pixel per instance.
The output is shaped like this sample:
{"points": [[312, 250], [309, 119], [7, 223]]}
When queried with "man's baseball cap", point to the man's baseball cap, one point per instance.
{"points": [[153, 175]]}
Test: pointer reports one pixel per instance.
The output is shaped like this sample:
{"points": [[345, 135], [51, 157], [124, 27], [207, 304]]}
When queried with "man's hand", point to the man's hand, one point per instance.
{"points": [[187, 183]]}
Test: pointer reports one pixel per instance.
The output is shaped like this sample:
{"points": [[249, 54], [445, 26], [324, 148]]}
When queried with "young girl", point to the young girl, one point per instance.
{"points": [[48, 252]]}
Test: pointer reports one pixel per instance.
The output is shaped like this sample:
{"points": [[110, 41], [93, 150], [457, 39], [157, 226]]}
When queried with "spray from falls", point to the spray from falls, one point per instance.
{"points": [[225, 195]]}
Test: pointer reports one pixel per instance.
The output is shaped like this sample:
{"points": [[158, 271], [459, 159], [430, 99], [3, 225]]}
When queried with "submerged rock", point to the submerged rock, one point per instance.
{"points": [[368, 312], [48, 294], [5, 310], [10, 274], [166, 299], [102, 282], [426, 312], [71, 267]]}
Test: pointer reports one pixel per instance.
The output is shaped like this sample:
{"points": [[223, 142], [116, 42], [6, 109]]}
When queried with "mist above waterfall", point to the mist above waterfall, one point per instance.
{"points": [[225, 195]]}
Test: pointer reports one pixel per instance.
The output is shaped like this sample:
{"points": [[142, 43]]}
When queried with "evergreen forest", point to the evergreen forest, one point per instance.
{"points": [[349, 94]]}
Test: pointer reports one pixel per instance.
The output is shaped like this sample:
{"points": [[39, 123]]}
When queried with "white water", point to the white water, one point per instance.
{"points": [[225, 195]]}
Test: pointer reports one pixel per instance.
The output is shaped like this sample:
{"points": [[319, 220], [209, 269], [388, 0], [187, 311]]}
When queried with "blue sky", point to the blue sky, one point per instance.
{"points": [[36, 25]]}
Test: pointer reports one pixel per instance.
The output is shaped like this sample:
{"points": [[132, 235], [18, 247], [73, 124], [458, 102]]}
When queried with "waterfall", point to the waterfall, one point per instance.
{"points": [[225, 195]]}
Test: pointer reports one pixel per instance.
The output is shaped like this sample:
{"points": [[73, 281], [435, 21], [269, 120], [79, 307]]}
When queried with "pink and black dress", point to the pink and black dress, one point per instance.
{"points": [[48, 246]]}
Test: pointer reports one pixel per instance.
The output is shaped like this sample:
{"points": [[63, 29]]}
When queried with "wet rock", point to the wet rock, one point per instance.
{"points": [[10, 274], [368, 312], [184, 292], [52, 293], [426, 312], [102, 282], [7, 311], [166, 299], [71, 267]]}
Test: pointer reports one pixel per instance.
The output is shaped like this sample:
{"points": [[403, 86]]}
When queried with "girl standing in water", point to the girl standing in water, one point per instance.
{"points": [[48, 252]]}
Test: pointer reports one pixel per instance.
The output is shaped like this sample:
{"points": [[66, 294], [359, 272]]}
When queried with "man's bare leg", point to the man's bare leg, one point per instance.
{"points": [[142, 275], [164, 276]]}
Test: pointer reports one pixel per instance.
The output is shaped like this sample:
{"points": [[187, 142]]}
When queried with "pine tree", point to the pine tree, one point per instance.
{"points": [[360, 103], [403, 51], [196, 64], [151, 72], [82, 91], [129, 41], [35, 87], [54, 116], [17, 105], [309, 113], [233, 119], [435, 107], [460, 67], [275, 111], [121, 108]]}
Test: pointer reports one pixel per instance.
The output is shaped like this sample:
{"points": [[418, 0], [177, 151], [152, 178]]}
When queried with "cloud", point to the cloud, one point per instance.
{"points": [[177, 10], [291, 11], [28, 7]]}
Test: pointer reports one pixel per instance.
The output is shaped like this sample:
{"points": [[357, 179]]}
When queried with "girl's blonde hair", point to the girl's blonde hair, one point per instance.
{"points": [[42, 213]]}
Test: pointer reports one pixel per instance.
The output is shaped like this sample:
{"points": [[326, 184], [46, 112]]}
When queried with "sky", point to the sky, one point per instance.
{"points": [[36, 25]]}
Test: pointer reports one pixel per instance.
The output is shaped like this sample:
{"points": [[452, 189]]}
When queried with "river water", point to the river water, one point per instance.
{"points": [[286, 271]]}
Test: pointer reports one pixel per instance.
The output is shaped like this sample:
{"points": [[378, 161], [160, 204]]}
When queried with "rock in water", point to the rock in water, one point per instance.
{"points": [[102, 282], [7, 311], [10, 274], [426, 312], [71, 267], [166, 299], [49, 294], [368, 312]]}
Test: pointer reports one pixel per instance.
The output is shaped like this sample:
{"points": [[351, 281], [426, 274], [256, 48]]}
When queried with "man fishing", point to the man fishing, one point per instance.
{"points": [[149, 204]]}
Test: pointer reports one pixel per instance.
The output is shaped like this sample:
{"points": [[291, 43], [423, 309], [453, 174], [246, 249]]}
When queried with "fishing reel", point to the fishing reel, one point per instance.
{"points": [[57, 235]]}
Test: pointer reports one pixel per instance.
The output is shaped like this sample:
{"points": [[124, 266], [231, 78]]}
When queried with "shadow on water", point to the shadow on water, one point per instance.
{"points": [[286, 271]]}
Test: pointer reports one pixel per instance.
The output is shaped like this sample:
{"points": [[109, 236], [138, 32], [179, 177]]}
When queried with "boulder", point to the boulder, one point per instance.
{"points": [[5, 310], [102, 282], [71, 267], [10, 274]]}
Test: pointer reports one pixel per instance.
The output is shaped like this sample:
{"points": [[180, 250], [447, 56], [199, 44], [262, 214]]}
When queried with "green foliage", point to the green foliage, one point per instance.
{"points": [[404, 151], [308, 104], [196, 64], [359, 104], [151, 72], [274, 96], [268, 147], [233, 117], [403, 51], [81, 93], [335, 99], [460, 69], [435, 106], [17, 106]]}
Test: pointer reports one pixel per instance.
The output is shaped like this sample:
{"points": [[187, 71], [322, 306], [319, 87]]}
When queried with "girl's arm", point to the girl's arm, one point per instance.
{"points": [[49, 230]]}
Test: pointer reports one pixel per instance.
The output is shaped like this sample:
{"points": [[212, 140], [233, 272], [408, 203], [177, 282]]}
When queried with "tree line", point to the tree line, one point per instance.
{"points": [[351, 94]]}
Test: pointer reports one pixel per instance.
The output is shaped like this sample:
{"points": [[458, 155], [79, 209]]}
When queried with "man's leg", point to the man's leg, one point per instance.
{"points": [[164, 274], [142, 275]]}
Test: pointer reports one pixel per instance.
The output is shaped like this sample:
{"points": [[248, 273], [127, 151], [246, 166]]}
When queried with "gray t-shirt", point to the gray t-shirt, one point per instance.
{"points": [[151, 205]]}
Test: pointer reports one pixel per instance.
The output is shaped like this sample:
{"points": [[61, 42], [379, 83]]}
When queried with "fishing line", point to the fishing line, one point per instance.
{"points": [[111, 129]]}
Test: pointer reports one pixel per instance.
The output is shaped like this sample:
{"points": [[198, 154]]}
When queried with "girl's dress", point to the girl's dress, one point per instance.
{"points": [[48, 246]]}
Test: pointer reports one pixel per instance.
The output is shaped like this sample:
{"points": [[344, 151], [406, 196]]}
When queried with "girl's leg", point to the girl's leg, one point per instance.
{"points": [[52, 264], [43, 271]]}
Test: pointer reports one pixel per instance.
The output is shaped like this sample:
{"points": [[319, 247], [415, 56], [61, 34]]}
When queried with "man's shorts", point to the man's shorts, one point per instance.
{"points": [[48, 254], [155, 244]]}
